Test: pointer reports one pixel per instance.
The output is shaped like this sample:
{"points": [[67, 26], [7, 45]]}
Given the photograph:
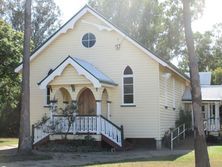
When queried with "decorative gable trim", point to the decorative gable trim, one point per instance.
{"points": [[59, 69], [70, 25]]}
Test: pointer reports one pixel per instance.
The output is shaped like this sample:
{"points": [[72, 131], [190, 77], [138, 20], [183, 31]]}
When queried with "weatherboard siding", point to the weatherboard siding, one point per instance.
{"points": [[144, 120], [140, 121], [69, 76], [168, 112]]}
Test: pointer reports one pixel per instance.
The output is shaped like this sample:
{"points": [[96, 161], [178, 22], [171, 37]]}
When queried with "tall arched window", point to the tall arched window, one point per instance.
{"points": [[128, 95]]}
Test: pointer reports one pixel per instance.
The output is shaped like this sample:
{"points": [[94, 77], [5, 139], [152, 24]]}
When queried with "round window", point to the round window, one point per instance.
{"points": [[88, 40]]}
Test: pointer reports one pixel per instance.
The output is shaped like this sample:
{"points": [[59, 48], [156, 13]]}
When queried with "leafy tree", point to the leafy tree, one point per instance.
{"points": [[155, 24], [201, 153], [45, 17], [10, 55], [25, 142], [217, 76], [208, 48]]}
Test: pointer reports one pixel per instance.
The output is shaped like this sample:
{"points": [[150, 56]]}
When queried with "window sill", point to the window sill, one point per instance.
{"points": [[46, 106], [128, 105]]}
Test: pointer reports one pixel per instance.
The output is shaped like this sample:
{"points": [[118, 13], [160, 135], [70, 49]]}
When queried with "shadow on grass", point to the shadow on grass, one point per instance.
{"points": [[134, 160], [11, 155]]}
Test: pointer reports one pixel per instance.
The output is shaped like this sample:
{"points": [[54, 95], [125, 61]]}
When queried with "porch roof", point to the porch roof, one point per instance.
{"points": [[83, 68], [208, 93]]}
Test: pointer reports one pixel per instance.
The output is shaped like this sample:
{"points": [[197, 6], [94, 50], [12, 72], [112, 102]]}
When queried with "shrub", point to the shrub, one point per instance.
{"points": [[184, 117]]}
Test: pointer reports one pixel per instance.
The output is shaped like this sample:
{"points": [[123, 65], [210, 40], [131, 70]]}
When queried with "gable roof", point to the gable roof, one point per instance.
{"points": [[208, 93], [70, 25], [83, 68]]}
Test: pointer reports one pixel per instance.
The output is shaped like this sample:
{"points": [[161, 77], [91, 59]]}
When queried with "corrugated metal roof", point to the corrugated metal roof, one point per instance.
{"points": [[89, 68], [94, 71], [208, 92], [205, 78]]}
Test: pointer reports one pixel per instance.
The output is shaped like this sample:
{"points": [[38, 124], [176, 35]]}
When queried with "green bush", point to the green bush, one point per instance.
{"points": [[184, 117]]}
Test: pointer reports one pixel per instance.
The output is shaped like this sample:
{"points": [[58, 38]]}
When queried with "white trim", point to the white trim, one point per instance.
{"points": [[165, 91], [128, 76], [174, 93], [100, 27], [71, 24], [79, 69]]}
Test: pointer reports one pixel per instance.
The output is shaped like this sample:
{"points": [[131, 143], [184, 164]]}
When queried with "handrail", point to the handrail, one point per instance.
{"points": [[111, 122], [40, 123], [178, 133]]}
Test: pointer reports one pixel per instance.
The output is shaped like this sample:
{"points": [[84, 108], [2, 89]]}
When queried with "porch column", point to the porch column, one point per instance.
{"points": [[53, 108], [217, 117], [192, 115], [98, 113], [108, 110], [208, 117], [74, 102]]}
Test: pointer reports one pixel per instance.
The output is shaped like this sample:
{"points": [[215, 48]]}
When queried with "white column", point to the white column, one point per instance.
{"points": [[98, 113], [108, 110], [208, 117], [192, 115], [217, 120]]}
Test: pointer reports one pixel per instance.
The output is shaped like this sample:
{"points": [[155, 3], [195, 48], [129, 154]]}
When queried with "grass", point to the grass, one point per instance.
{"points": [[187, 160], [17, 157], [13, 157], [8, 142]]}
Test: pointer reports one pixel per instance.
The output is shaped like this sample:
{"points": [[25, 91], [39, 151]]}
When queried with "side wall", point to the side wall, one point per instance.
{"points": [[169, 109], [141, 121]]}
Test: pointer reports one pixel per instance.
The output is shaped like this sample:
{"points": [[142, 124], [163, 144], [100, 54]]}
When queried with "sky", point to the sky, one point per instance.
{"points": [[212, 12]]}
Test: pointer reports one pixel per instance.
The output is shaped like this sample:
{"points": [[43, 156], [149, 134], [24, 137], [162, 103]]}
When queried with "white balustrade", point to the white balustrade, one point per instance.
{"points": [[80, 124]]}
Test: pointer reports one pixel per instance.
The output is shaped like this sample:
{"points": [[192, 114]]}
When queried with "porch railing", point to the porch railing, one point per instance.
{"points": [[80, 124], [213, 124], [176, 133], [40, 130]]}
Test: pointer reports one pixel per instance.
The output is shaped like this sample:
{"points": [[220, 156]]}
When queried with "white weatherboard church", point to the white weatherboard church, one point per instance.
{"points": [[123, 91]]}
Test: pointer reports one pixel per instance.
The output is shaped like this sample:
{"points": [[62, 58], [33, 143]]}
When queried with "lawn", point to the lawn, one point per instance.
{"points": [[8, 142], [215, 153]]}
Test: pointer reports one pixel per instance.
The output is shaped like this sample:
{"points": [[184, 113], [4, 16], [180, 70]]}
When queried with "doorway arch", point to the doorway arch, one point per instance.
{"points": [[63, 97], [86, 103]]}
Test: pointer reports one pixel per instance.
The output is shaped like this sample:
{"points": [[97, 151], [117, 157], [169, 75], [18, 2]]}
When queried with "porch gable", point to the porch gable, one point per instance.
{"points": [[83, 68]]}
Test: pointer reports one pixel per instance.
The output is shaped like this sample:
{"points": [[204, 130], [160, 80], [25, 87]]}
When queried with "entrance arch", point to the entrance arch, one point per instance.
{"points": [[86, 103], [63, 97]]}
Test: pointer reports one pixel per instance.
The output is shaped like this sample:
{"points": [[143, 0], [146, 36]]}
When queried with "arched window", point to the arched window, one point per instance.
{"points": [[128, 95]]}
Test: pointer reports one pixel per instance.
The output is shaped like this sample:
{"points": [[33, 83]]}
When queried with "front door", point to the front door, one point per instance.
{"points": [[86, 103]]}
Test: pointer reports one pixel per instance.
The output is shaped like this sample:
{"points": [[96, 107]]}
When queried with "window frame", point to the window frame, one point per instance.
{"points": [[48, 94], [133, 84], [88, 40]]}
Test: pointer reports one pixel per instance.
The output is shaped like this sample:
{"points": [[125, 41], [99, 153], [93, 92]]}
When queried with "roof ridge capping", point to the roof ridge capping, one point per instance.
{"points": [[87, 8]]}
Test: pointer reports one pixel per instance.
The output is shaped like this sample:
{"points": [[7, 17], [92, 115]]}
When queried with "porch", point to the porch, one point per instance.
{"points": [[81, 125], [212, 116], [85, 91]]}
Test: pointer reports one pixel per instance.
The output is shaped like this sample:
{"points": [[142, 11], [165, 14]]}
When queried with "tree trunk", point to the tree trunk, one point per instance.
{"points": [[25, 143], [201, 154]]}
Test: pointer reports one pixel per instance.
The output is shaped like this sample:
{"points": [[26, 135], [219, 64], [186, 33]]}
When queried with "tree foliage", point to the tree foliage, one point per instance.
{"points": [[45, 17], [10, 55], [208, 48], [155, 24], [217, 76]]}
